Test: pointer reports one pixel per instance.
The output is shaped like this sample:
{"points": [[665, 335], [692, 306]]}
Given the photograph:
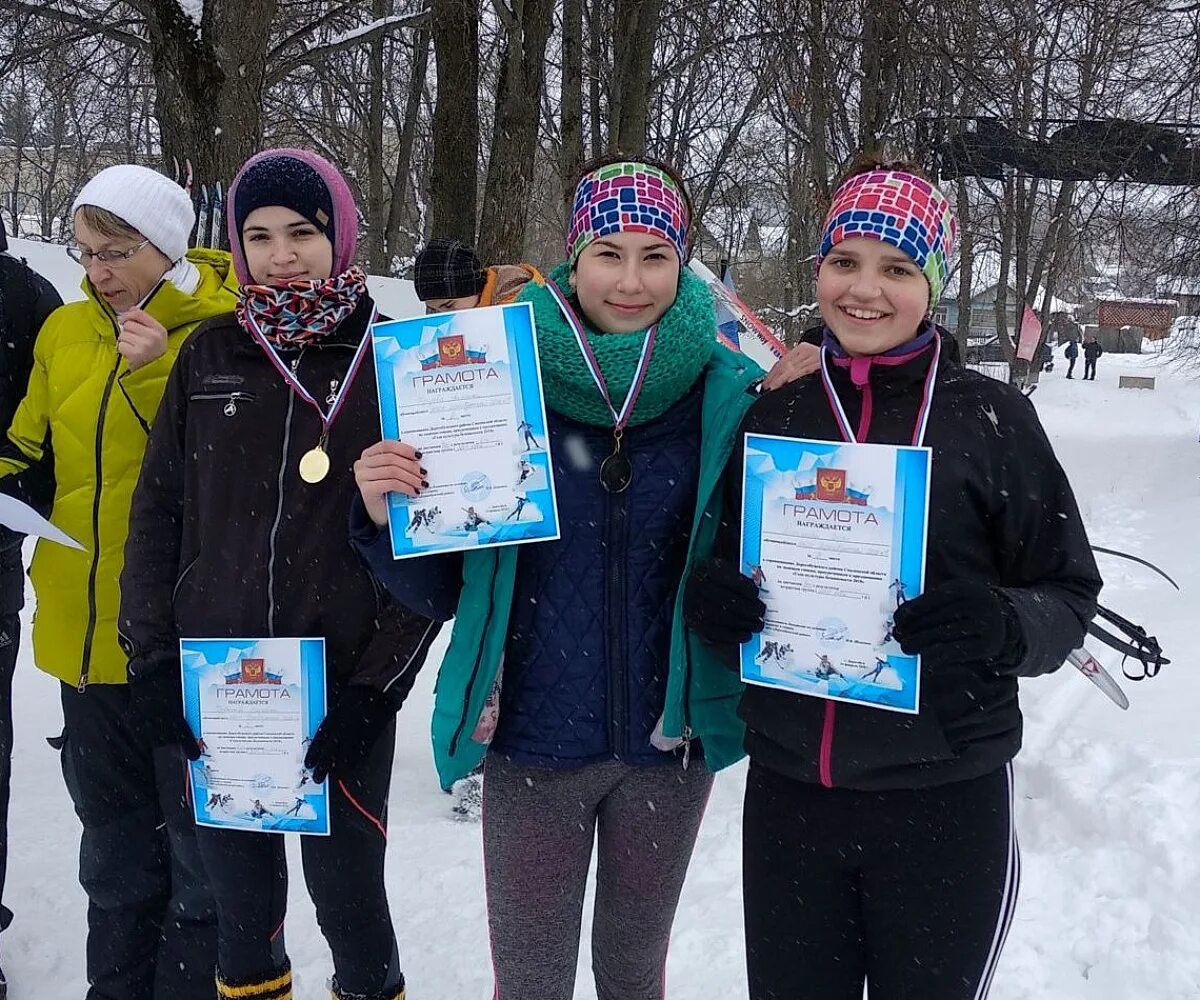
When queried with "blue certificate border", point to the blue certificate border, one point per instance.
{"points": [[313, 684], [530, 406], [909, 536]]}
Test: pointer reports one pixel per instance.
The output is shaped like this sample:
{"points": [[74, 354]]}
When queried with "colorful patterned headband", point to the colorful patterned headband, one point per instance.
{"points": [[628, 198], [901, 210]]}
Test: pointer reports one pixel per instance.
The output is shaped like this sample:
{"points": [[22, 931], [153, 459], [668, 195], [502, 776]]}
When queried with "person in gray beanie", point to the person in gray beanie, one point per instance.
{"points": [[100, 370]]}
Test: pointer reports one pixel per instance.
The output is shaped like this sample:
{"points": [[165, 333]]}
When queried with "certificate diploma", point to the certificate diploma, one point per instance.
{"points": [[255, 705], [835, 536], [464, 389]]}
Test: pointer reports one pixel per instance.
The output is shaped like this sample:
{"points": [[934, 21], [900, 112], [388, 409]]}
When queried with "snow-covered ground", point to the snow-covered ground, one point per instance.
{"points": [[1109, 801]]}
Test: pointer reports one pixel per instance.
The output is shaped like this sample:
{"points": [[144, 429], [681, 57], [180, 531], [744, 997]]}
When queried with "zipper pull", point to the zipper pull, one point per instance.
{"points": [[687, 746], [333, 387], [230, 408]]}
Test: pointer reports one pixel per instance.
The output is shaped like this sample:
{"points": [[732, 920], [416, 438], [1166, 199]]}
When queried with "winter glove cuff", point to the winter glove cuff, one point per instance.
{"points": [[156, 711], [354, 723], [962, 622], [721, 605]]}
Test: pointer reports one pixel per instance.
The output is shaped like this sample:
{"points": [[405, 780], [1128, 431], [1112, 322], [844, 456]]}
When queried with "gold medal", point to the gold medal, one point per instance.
{"points": [[314, 465]]}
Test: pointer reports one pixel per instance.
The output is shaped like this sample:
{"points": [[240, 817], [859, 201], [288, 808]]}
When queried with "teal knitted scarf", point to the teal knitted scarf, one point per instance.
{"points": [[686, 340]]}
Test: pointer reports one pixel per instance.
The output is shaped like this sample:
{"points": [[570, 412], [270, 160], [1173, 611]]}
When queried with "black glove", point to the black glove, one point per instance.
{"points": [[962, 621], [349, 731], [156, 711], [721, 605]]}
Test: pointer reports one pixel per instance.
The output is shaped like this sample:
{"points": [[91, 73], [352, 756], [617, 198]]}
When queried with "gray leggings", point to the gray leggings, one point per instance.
{"points": [[539, 825]]}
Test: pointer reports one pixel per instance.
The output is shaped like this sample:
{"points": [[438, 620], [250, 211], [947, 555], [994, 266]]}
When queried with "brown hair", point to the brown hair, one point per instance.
{"points": [[108, 225], [673, 172], [869, 160]]}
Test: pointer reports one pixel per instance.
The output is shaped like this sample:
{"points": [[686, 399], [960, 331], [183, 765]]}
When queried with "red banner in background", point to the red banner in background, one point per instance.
{"points": [[1031, 333]]}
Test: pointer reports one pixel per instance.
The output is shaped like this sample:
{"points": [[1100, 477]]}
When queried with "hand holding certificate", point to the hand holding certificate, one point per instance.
{"points": [[834, 535], [255, 705], [464, 389]]}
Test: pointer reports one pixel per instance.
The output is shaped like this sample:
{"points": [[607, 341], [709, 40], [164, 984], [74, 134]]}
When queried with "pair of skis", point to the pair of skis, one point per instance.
{"points": [[210, 208], [1135, 642]]}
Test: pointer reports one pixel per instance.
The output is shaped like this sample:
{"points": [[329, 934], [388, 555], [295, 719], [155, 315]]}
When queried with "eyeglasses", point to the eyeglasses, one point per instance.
{"points": [[113, 258]]}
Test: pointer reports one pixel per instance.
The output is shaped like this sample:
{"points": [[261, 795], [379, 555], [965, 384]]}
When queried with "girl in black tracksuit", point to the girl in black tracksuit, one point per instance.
{"points": [[234, 533], [878, 846]]}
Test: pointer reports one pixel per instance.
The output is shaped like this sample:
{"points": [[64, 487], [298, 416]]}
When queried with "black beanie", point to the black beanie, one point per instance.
{"points": [[289, 182], [447, 269]]}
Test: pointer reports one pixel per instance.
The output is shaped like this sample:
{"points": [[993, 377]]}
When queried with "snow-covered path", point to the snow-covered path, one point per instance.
{"points": [[1109, 801]]}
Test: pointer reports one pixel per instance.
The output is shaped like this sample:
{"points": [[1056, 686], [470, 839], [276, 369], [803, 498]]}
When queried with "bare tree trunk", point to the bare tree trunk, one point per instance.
{"points": [[408, 132], [635, 26], [966, 265], [455, 119], [377, 206], [571, 95], [595, 64], [880, 38], [514, 138], [1001, 306], [209, 82], [818, 102]]}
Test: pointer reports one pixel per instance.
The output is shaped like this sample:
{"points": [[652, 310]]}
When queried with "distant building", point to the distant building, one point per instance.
{"points": [[1152, 316], [1182, 289]]}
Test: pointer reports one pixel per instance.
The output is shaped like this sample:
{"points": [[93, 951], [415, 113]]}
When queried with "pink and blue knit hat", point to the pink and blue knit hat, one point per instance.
{"points": [[899, 209], [628, 198], [306, 183]]}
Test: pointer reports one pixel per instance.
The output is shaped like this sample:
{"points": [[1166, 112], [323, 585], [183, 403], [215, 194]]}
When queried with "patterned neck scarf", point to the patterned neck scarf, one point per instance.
{"points": [[301, 312]]}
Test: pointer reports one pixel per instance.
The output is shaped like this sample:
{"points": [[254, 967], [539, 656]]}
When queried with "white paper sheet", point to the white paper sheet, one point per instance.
{"points": [[25, 520]]}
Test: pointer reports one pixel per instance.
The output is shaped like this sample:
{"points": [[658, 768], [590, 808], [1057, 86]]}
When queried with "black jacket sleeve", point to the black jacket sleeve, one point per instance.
{"points": [[396, 653], [428, 585], [1047, 570], [26, 302], [146, 622]]}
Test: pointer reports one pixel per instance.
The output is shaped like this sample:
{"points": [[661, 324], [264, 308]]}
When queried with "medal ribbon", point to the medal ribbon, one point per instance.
{"points": [[621, 417], [839, 413], [327, 417]]}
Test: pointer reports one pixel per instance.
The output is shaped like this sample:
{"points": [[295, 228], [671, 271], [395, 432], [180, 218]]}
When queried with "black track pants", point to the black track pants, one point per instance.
{"points": [[911, 891]]}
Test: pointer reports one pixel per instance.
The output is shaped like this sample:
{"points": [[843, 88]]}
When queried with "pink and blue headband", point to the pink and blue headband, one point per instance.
{"points": [[628, 198]]}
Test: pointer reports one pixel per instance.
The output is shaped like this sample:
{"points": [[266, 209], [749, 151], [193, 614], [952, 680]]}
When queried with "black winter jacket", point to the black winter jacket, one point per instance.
{"points": [[226, 539], [26, 300], [1001, 512]]}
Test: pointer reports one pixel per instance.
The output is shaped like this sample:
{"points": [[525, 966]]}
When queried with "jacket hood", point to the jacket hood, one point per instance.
{"points": [[215, 295]]}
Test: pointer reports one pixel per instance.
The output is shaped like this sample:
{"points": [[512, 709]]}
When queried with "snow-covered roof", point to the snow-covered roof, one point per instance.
{"points": [[1130, 300], [1174, 284], [985, 275]]}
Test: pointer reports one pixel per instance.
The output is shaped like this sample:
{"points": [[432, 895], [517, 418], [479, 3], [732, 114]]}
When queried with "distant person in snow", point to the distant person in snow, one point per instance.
{"points": [[1091, 354], [878, 847], [26, 301], [100, 367], [1071, 353]]}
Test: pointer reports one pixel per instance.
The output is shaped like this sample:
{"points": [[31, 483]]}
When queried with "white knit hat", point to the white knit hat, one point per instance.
{"points": [[154, 205]]}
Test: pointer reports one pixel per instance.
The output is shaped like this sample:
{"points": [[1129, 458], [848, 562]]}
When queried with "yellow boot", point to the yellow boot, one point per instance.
{"points": [[275, 985]]}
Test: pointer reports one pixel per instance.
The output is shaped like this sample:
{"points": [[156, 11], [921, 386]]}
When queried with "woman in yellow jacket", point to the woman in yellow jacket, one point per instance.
{"points": [[100, 368]]}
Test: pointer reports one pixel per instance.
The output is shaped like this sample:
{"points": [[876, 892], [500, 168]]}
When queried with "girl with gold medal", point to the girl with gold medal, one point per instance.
{"points": [[239, 530]]}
